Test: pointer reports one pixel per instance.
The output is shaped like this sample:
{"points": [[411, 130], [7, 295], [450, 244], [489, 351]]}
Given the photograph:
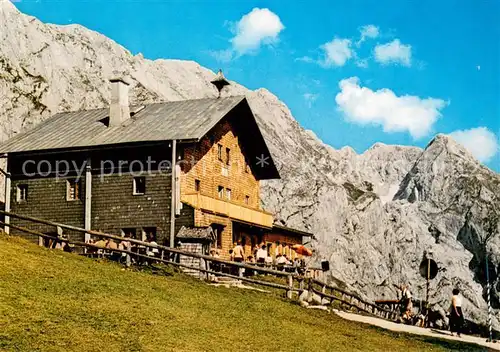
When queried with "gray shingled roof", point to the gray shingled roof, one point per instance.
{"points": [[181, 120]]}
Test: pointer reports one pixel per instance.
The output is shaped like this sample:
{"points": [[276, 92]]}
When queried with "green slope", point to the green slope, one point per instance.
{"points": [[54, 301]]}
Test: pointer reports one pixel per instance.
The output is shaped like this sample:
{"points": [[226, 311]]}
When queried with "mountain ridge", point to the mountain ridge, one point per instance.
{"points": [[360, 206]]}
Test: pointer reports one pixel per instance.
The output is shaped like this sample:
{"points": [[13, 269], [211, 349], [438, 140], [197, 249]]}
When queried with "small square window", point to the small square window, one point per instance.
{"points": [[228, 156], [139, 185], [73, 189], [197, 185], [22, 193], [247, 200], [219, 152], [228, 193], [220, 191]]}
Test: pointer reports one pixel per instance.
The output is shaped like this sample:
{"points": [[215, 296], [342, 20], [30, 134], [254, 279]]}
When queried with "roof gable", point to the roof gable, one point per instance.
{"points": [[185, 120], [253, 145]]}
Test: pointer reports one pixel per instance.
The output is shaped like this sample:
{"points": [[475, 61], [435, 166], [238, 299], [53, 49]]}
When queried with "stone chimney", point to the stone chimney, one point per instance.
{"points": [[119, 110]]}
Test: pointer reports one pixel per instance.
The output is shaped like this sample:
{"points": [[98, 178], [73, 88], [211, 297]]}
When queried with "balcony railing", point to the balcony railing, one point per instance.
{"points": [[226, 208]]}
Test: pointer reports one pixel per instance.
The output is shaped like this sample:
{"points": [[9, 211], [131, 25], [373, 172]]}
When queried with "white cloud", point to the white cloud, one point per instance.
{"points": [[394, 113], [256, 28], [480, 141], [368, 31], [337, 52], [259, 26], [393, 53]]}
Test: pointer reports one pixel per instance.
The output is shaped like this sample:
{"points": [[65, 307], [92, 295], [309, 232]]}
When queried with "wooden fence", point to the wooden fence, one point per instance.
{"points": [[295, 283], [350, 300]]}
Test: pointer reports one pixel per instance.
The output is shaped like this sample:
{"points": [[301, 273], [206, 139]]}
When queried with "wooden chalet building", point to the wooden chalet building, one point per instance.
{"points": [[110, 170]]}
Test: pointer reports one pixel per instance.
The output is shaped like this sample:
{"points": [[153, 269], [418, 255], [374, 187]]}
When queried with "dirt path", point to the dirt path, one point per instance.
{"points": [[416, 330]]}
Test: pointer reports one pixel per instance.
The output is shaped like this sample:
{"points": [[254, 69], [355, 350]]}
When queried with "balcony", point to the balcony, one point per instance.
{"points": [[229, 209]]}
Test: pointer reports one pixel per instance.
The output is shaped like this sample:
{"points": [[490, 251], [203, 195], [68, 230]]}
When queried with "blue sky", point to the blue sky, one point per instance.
{"points": [[355, 72]]}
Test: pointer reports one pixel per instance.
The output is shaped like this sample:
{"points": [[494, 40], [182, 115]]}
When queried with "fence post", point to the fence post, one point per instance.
{"points": [[309, 289], [208, 265], [128, 261], [289, 293]]}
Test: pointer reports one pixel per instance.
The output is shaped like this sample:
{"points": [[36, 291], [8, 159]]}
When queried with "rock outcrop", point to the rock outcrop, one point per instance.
{"points": [[374, 214]]}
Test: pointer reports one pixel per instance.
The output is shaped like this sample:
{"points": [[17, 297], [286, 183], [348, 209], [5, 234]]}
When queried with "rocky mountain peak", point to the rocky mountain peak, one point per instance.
{"points": [[442, 142], [444, 168]]}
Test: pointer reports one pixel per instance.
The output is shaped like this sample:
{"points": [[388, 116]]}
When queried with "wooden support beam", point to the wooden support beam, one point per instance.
{"points": [[289, 292], [173, 195], [6, 228], [88, 199]]}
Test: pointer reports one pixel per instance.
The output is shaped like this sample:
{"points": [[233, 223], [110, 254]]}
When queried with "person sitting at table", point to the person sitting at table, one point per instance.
{"points": [[280, 261], [239, 252], [151, 251], [62, 245], [255, 249], [91, 250], [250, 260], [215, 266], [296, 264], [110, 244], [100, 243], [262, 254], [124, 245], [68, 248], [269, 261]]}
